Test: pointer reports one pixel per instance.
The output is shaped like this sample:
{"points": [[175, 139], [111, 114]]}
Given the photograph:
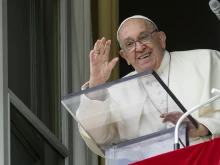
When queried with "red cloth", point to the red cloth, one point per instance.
{"points": [[207, 153]]}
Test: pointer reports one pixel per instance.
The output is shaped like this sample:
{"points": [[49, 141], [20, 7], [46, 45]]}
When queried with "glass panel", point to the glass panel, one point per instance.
{"points": [[122, 110], [144, 147], [33, 53], [19, 155], [27, 144], [19, 49]]}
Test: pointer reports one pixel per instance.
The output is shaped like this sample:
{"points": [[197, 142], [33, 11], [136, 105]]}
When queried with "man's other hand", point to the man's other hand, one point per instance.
{"points": [[173, 117]]}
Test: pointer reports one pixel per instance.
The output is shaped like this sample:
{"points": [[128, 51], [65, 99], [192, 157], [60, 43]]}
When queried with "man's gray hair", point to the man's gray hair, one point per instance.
{"points": [[132, 17]]}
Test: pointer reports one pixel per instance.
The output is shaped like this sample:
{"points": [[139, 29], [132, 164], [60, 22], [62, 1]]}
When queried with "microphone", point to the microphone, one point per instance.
{"points": [[215, 7], [216, 91], [176, 133]]}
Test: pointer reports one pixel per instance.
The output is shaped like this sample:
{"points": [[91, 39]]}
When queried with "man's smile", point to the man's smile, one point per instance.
{"points": [[145, 56]]}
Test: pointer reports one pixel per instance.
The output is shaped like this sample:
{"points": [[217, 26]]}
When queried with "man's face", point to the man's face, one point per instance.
{"points": [[147, 56]]}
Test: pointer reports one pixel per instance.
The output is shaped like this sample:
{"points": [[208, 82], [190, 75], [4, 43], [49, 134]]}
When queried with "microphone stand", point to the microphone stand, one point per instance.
{"points": [[176, 133]]}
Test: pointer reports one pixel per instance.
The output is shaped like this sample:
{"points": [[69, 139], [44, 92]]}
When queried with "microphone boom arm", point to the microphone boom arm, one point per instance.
{"points": [[176, 133]]}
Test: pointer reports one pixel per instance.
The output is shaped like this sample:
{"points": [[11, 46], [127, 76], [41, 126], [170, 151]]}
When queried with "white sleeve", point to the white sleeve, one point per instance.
{"points": [[209, 115], [95, 119]]}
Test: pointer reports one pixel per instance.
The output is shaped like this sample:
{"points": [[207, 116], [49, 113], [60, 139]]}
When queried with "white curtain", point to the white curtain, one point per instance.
{"points": [[81, 41], [81, 38]]}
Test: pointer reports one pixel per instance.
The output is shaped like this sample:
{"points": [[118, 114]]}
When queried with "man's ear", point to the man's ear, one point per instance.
{"points": [[123, 55], [162, 39]]}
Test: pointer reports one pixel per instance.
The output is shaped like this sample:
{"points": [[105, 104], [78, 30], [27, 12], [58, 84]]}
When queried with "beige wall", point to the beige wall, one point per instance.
{"points": [[105, 24]]}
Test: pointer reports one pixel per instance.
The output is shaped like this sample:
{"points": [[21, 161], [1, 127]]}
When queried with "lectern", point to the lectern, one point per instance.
{"points": [[121, 119]]}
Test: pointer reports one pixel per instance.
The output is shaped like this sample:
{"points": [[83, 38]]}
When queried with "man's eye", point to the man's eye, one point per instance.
{"points": [[129, 43], [143, 37]]}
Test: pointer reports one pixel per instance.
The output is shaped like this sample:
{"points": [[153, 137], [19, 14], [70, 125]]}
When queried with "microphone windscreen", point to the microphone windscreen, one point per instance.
{"points": [[214, 5]]}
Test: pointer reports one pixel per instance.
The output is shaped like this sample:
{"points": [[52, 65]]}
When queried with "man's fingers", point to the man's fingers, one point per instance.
{"points": [[162, 115], [192, 133], [102, 46], [91, 55], [107, 47], [168, 119], [112, 63], [97, 47], [171, 117], [94, 58], [164, 121]]}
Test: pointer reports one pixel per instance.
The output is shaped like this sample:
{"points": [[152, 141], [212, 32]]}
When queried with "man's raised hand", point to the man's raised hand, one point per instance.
{"points": [[100, 67]]}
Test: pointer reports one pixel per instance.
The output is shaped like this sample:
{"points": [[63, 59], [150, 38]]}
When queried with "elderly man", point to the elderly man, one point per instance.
{"points": [[190, 75]]}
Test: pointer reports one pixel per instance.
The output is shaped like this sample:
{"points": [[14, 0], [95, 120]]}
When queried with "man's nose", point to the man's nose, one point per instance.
{"points": [[139, 46]]}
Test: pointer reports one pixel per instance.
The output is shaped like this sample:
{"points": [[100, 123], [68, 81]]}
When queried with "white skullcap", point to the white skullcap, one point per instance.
{"points": [[135, 16]]}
